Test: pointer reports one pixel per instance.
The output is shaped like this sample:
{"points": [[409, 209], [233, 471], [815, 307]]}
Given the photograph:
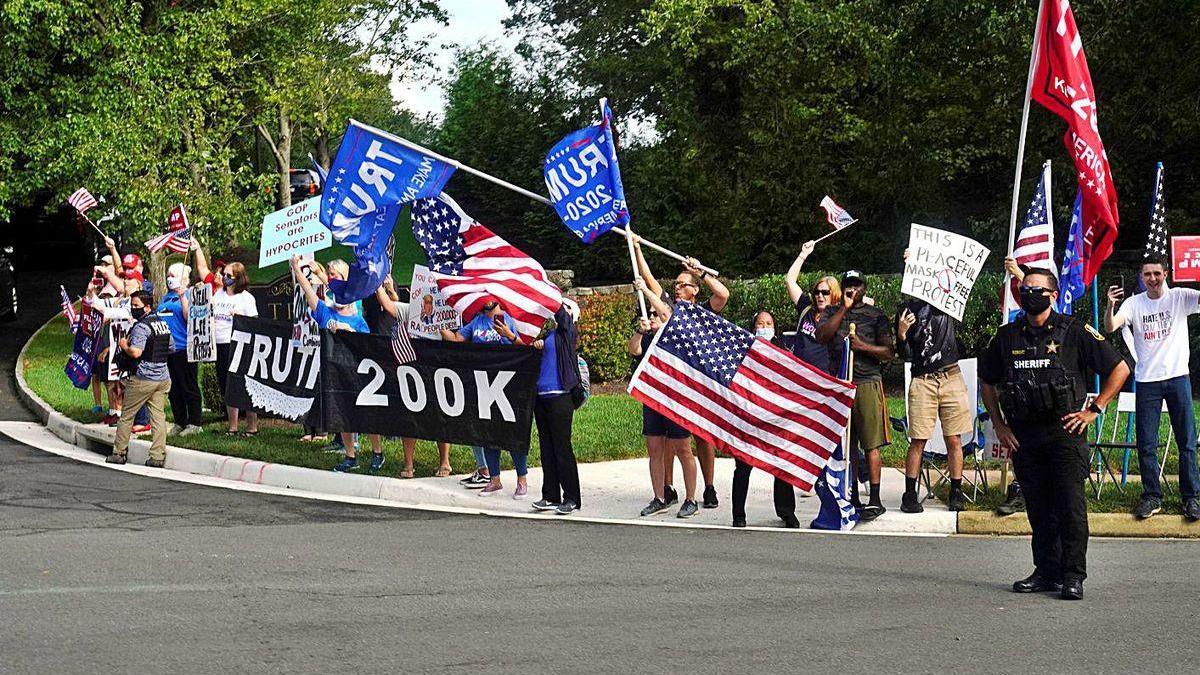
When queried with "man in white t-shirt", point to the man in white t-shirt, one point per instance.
{"points": [[1158, 320]]}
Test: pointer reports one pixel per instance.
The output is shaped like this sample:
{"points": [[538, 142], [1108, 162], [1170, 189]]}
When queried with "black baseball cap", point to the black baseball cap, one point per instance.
{"points": [[853, 278]]}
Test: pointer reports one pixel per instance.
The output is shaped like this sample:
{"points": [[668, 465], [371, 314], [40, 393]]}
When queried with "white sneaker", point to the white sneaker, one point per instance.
{"points": [[175, 430], [191, 430]]}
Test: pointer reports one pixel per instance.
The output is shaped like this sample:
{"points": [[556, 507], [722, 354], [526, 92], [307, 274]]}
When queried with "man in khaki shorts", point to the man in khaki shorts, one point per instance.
{"points": [[926, 336]]}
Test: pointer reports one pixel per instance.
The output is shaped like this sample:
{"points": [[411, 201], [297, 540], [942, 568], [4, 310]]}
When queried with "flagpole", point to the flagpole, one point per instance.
{"points": [[629, 239], [848, 467], [505, 184], [94, 226], [1016, 193], [830, 234]]}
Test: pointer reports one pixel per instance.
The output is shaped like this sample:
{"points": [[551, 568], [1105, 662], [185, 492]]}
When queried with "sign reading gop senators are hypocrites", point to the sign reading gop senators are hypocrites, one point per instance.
{"points": [[942, 268], [457, 392], [293, 231]]}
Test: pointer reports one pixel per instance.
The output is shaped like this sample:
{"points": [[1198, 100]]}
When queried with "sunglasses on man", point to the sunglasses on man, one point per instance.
{"points": [[1035, 290], [679, 284]]}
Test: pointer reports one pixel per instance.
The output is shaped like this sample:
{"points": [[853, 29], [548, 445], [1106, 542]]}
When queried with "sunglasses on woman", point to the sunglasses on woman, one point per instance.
{"points": [[823, 292]]}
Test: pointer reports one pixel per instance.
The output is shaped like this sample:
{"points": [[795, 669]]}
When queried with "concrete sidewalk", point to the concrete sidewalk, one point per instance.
{"points": [[612, 491]]}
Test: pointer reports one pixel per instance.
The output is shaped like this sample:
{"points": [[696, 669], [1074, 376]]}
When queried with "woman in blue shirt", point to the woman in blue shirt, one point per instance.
{"points": [[492, 326], [185, 375], [554, 412]]}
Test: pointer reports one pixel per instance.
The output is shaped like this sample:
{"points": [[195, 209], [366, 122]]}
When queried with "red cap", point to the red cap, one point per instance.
{"points": [[131, 261], [217, 262]]}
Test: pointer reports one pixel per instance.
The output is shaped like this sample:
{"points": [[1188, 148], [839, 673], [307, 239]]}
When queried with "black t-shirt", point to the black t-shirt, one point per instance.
{"points": [[1084, 351], [932, 343], [806, 348], [871, 326]]}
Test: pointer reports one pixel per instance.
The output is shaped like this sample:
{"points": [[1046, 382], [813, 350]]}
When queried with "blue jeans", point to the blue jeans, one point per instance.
{"points": [[142, 418], [1177, 392], [480, 459], [520, 461]]}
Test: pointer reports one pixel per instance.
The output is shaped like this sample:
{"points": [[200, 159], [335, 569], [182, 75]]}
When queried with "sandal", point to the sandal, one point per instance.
{"points": [[443, 472], [307, 438], [231, 433], [406, 473], [250, 433]]}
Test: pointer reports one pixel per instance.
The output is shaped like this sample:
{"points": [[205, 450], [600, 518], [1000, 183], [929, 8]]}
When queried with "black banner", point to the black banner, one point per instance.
{"points": [[270, 376], [456, 392]]}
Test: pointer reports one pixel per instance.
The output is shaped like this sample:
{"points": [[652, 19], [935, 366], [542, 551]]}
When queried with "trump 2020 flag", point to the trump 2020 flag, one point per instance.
{"points": [[585, 181], [744, 395], [374, 176], [1071, 286], [833, 487]]}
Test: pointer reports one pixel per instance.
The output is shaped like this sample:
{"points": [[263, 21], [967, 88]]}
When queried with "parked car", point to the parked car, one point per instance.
{"points": [[305, 183]]}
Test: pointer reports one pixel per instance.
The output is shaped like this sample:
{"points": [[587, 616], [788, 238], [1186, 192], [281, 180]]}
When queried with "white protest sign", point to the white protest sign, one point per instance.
{"points": [[292, 231], [941, 268], [306, 336], [428, 312], [201, 340]]}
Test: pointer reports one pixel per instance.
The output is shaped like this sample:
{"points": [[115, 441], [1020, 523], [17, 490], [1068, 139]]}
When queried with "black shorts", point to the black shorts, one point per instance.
{"points": [[654, 424]]}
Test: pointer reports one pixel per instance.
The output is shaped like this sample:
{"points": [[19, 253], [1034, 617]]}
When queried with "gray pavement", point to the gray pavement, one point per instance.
{"points": [[106, 571]]}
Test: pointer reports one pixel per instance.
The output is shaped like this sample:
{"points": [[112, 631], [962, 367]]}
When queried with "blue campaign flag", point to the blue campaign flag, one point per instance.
{"points": [[834, 484], [585, 181], [374, 176], [1071, 286]]}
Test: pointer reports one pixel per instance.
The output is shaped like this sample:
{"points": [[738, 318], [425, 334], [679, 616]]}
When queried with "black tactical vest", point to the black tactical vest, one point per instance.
{"points": [[158, 346], [1041, 378]]}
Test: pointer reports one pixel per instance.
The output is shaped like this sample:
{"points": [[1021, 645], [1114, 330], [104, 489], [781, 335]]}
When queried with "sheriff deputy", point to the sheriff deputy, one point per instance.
{"points": [[1034, 388]]}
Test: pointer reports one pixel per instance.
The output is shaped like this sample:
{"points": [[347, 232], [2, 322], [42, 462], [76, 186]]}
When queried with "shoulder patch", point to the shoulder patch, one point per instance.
{"points": [[1095, 333]]}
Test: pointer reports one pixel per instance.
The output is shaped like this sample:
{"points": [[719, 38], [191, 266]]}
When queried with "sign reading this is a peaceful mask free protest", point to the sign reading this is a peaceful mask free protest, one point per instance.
{"points": [[941, 268]]}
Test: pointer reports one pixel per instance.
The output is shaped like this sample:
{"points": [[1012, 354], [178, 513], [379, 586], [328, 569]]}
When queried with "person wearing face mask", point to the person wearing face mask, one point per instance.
{"points": [[185, 375], [232, 300], [144, 355], [784, 494], [810, 308], [1034, 375]]}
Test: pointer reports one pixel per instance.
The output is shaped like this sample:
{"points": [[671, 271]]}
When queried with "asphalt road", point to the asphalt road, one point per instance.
{"points": [[103, 571]]}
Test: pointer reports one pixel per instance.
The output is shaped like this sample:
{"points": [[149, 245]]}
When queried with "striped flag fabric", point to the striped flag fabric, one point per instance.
{"points": [[471, 265], [744, 395], [836, 215], [402, 347], [834, 486], [1159, 237], [178, 236], [68, 308], [82, 200], [1034, 246]]}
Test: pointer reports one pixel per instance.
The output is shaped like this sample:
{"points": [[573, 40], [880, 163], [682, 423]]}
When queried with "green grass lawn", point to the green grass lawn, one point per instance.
{"points": [[608, 427]]}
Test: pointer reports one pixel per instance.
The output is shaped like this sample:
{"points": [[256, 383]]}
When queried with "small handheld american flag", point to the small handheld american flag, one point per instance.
{"points": [[178, 237], [82, 200], [402, 347], [745, 395], [836, 215], [69, 309]]}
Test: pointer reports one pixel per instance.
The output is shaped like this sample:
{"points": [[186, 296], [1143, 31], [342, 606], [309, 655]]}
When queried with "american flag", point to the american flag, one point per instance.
{"points": [[836, 215], [178, 236], [1034, 246], [402, 347], [82, 200], [471, 265], [744, 395], [1159, 238], [69, 309]]}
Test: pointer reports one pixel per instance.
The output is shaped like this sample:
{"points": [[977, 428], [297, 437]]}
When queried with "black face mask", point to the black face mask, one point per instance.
{"points": [[1035, 303], [139, 312]]}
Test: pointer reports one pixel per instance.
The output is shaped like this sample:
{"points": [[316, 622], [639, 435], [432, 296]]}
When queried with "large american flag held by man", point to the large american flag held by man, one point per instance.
{"points": [[1158, 241], [471, 265], [744, 395], [178, 237], [82, 200], [1034, 246]]}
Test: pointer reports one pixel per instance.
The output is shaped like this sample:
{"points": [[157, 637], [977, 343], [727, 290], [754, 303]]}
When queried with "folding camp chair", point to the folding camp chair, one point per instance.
{"points": [[932, 463], [1126, 404]]}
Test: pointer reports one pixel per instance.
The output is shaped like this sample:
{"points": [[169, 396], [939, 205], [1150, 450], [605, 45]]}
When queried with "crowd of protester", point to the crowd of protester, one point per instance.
{"points": [[824, 313]]}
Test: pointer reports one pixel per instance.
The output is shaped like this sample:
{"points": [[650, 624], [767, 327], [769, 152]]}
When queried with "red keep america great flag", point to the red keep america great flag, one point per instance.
{"points": [[1063, 84]]}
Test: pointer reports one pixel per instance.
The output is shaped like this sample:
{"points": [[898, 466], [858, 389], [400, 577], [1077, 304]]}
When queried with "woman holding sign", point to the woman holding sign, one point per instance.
{"points": [[389, 301], [232, 300]]}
